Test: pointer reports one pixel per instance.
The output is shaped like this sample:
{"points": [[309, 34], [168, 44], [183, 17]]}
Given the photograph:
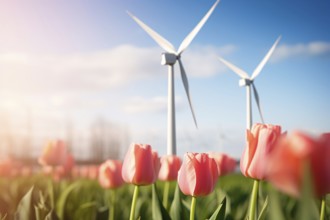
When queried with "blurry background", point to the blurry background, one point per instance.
{"points": [[85, 72]]}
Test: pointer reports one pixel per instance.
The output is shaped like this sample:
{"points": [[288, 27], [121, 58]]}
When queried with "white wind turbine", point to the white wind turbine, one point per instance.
{"points": [[248, 81], [169, 58]]}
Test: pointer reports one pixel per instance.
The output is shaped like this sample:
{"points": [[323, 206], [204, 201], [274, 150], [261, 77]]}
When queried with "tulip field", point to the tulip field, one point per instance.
{"points": [[197, 186], [84, 199]]}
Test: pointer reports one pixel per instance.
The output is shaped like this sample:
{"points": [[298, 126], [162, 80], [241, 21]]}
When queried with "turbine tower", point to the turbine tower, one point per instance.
{"points": [[248, 82], [169, 58]]}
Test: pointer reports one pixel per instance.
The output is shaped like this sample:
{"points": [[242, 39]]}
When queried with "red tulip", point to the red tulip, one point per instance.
{"points": [[292, 154], [54, 154], [169, 167], [260, 143], [110, 174], [198, 174], [141, 165], [225, 163]]}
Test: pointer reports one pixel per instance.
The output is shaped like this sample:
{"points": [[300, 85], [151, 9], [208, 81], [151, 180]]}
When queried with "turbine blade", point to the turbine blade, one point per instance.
{"points": [[235, 69], [185, 43], [264, 60], [256, 97], [186, 87], [162, 42]]}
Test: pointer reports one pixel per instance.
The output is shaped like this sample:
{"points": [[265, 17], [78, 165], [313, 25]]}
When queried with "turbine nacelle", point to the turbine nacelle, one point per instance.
{"points": [[245, 82], [168, 58]]}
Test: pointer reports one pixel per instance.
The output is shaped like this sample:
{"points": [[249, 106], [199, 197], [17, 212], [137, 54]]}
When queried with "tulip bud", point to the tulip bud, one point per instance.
{"points": [[110, 174], [141, 165], [260, 143], [55, 153], [225, 163], [287, 162], [169, 167], [198, 174]]}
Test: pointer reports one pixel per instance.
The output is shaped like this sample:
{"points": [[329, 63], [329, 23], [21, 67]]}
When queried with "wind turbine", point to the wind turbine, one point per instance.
{"points": [[248, 82], [169, 58]]}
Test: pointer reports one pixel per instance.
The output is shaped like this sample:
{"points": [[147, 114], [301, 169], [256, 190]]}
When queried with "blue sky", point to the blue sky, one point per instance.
{"points": [[75, 61]]}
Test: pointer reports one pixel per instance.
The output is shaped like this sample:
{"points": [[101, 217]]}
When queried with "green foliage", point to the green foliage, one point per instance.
{"points": [[62, 200], [178, 210], [31, 198], [158, 210], [263, 211], [220, 212], [25, 207]]}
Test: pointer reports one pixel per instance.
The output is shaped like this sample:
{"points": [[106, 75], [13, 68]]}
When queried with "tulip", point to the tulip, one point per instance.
{"points": [[286, 164], [53, 154], [140, 167], [110, 178], [6, 167], [93, 171], [261, 140], [65, 170], [260, 143], [110, 174], [169, 167], [225, 163], [197, 176]]}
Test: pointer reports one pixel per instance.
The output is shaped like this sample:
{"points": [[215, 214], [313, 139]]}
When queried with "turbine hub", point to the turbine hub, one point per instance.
{"points": [[245, 82], [168, 59]]}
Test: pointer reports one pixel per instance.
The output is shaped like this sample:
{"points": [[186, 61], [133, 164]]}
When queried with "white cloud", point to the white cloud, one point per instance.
{"points": [[111, 68], [156, 104], [202, 61], [311, 49]]}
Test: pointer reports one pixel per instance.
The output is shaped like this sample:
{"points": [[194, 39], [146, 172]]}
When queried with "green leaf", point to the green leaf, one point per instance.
{"points": [[86, 211], [263, 211], [219, 213], [178, 211], [142, 209], [158, 210], [25, 208], [51, 216], [41, 208], [307, 209], [61, 202], [275, 211]]}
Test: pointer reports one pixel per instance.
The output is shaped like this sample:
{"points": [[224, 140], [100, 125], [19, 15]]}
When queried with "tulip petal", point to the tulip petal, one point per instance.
{"points": [[266, 140], [187, 175]]}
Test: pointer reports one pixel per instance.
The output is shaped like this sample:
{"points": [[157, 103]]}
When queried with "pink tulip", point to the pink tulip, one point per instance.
{"points": [[93, 171], [198, 174], [65, 170], [260, 143], [292, 154], [141, 165], [225, 163], [169, 167], [54, 154], [6, 167], [110, 174]]}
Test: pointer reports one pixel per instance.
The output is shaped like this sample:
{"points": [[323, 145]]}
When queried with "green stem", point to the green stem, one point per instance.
{"points": [[165, 194], [112, 205], [253, 201], [322, 211], [51, 190], [192, 208], [135, 195]]}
